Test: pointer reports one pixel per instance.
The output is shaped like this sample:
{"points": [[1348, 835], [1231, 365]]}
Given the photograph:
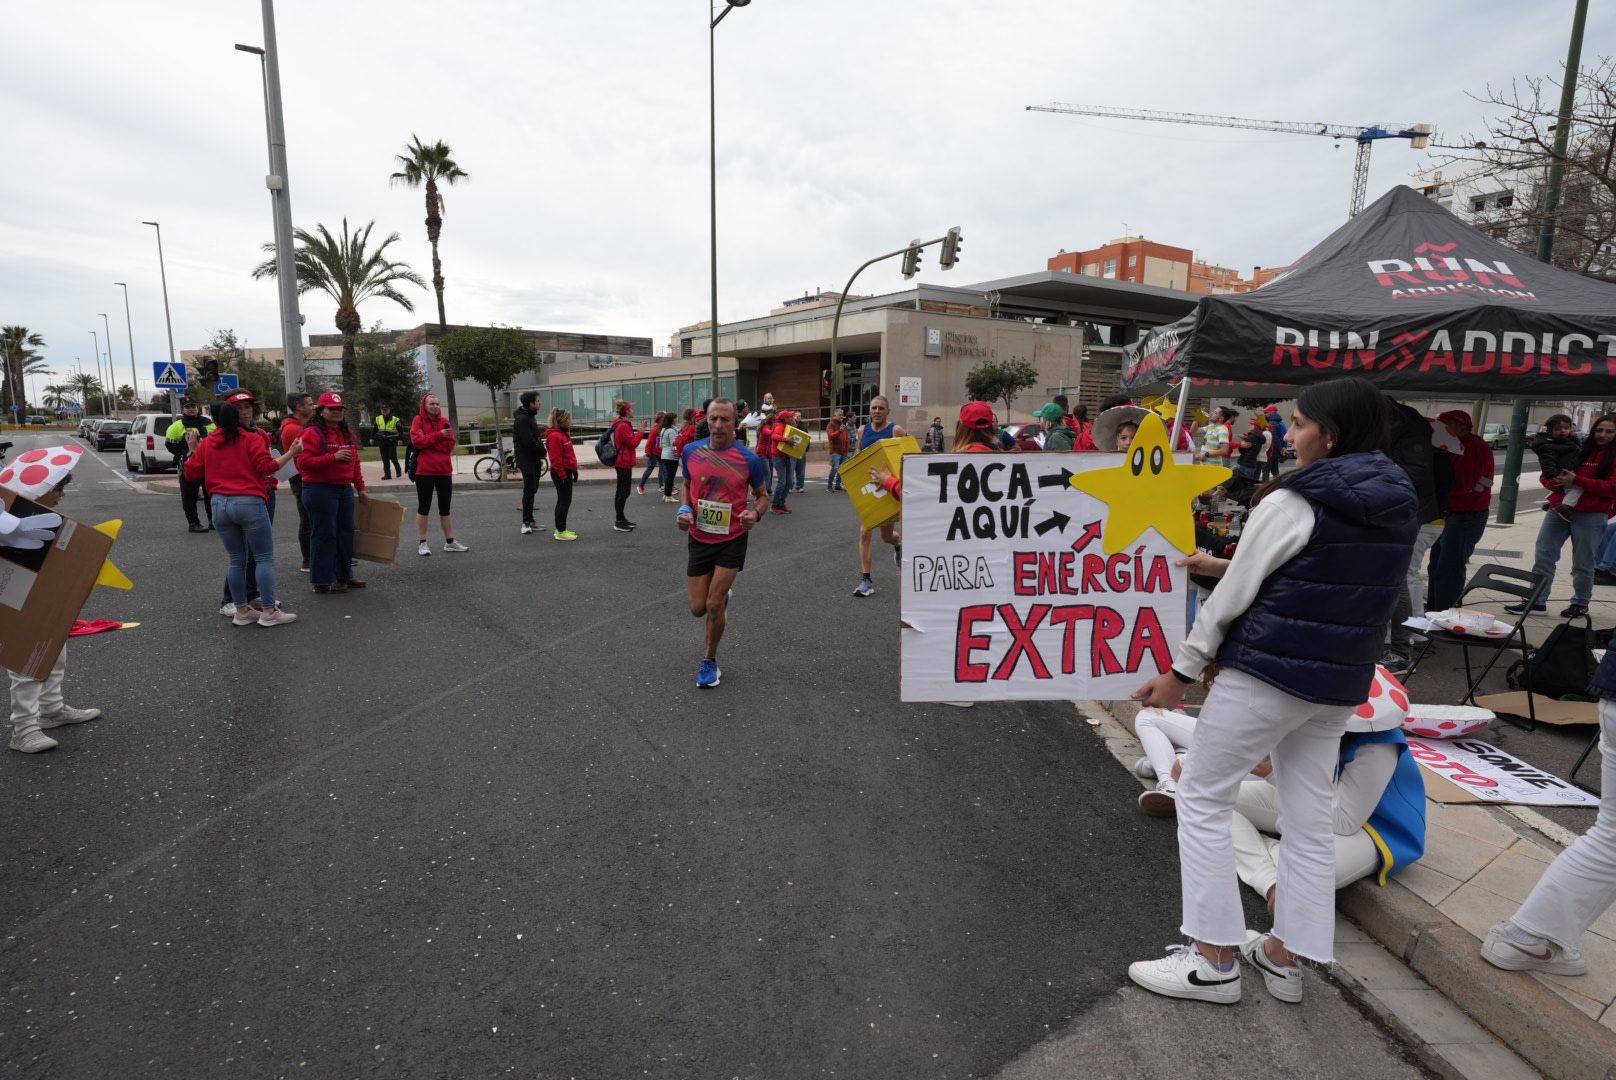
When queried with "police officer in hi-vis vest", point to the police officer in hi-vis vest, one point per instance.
{"points": [[387, 441], [191, 419]]}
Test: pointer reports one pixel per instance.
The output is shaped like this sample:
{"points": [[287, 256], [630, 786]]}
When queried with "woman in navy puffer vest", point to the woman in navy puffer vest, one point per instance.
{"points": [[1295, 628]]}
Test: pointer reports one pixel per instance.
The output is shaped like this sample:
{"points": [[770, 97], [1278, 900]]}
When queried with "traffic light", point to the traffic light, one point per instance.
{"points": [[911, 259], [824, 383], [951, 246], [210, 370]]}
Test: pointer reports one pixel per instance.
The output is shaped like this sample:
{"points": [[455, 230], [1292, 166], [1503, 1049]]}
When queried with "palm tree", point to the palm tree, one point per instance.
{"points": [[429, 165], [84, 387], [348, 272], [58, 396], [17, 348]]}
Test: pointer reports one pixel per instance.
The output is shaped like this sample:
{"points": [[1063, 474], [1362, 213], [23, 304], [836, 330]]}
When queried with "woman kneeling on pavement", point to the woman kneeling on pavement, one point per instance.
{"points": [[240, 473], [329, 464], [1295, 628]]}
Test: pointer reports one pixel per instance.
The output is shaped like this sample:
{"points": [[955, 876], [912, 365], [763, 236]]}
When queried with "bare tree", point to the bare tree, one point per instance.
{"points": [[1516, 152]]}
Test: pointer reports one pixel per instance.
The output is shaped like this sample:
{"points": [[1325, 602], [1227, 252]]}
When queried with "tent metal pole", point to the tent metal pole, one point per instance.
{"points": [[1178, 417]]}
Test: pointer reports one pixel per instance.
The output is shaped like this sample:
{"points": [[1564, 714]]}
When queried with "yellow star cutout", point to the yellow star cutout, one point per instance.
{"points": [[110, 575], [1149, 490]]}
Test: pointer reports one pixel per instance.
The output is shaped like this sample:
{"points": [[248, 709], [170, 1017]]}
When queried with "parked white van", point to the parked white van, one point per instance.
{"points": [[145, 449]]}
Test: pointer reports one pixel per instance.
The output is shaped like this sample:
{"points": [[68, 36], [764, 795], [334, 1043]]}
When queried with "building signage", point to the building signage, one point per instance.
{"points": [[963, 346], [909, 391], [934, 341]]}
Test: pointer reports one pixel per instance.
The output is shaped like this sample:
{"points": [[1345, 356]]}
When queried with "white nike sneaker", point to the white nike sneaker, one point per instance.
{"points": [[1284, 981], [1502, 951], [67, 714], [1185, 973], [1144, 770], [455, 545], [423, 548], [1161, 801]]}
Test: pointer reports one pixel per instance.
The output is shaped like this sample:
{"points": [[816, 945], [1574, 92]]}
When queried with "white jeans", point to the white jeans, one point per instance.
{"points": [[1244, 719], [1256, 856], [1162, 733], [31, 697], [1423, 542], [1581, 882]]}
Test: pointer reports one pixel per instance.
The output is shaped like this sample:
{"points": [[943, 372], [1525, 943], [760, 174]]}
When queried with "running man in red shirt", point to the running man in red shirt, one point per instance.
{"points": [[719, 476]]}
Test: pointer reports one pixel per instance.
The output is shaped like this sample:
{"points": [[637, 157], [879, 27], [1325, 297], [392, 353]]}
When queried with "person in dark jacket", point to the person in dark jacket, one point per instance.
{"points": [[1559, 451], [530, 453], [179, 444], [1295, 627], [1410, 445], [1469, 501]]}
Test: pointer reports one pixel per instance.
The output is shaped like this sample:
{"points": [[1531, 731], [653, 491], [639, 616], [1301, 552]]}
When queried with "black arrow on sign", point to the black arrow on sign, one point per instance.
{"points": [[1056, 520], [1063, 480]]}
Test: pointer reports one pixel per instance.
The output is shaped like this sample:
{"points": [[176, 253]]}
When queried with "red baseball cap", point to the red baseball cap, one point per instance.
{"points": [[240, 395], [328, 400], [978, 415]]}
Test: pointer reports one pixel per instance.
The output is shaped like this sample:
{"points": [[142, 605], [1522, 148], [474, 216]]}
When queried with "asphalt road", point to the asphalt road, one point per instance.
{"points": [[476, 820]]}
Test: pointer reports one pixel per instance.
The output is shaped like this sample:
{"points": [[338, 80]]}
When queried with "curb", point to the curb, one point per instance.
{"points": [[1553, 1035], [1548, 1032]]}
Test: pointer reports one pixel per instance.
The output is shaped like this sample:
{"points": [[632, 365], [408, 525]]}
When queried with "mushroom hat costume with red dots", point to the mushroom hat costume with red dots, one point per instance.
{"points": [[36, 473], [1397, 824], [1386, 707]]}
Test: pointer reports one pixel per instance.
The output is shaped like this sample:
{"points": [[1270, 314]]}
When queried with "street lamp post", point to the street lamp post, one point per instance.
{"points": [[95, 339], [173, 399], [134, 378], [280, 195], [112, 379], [712, 164]]}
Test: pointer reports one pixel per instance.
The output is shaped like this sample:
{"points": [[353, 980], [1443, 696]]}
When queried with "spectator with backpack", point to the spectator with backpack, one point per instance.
{"points": [[563, 469], [615, 447], [432, 439]]}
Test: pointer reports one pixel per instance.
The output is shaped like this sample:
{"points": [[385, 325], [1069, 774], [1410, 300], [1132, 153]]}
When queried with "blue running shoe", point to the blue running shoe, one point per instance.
{"points": [[707, 675], [866, 587]]}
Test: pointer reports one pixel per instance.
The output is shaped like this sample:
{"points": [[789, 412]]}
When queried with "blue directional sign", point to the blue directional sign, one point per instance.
{"points": [[168, 375], [16, 408], [226, 384]]}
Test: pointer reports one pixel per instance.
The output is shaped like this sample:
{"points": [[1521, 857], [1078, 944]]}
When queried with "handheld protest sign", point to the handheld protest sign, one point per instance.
{"points": [[1045, 576]]}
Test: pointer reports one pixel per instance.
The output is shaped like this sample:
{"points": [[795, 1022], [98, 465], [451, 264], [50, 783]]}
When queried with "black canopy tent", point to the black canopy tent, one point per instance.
{"points": [[1409, 297]]}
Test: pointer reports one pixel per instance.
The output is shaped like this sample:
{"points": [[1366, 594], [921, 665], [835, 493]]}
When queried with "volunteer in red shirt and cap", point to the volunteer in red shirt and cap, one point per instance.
{"points": [[239, 468], [1465, 521], [329, 465]]}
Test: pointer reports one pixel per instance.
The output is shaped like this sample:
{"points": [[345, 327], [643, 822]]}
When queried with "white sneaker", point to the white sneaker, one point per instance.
{"points": [[67, 714], [455, 545], [276, 617], [527, 530], [1162, 801], [423, 548], [1502, 951], [1185, 973], [227, 609], [1144, 770], [245, 616], [1284, 981], [32, 741]]}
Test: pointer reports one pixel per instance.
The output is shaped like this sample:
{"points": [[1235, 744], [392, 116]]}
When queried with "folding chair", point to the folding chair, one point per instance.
{"points": [[1584, 757], [1525, 585]]}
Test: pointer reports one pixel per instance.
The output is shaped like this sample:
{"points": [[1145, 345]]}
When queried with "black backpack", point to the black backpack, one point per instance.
{"points": [[606, 445], [1563, 666]]}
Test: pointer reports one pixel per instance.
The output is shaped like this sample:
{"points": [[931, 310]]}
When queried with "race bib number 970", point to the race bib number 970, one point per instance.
{"points": [[713, 517]]}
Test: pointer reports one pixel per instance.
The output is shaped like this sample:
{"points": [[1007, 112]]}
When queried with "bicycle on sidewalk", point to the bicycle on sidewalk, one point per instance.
{"points": [[501, 464]]}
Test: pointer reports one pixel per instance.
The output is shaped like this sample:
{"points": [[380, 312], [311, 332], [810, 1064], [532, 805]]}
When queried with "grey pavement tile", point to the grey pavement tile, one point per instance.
{"points": [[1589, 1007], [1534, 851], [1609, 1019], [1494, 1062], [1476, 909], [1433, 1018], [1511, 875], [1475, 821], [1457, 854], [1348, 934], [1376, 968], [1600, 982], [1432, 886]]}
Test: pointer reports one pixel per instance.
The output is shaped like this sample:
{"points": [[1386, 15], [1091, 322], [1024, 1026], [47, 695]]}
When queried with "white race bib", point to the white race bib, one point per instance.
{"points": [[713, 517]]}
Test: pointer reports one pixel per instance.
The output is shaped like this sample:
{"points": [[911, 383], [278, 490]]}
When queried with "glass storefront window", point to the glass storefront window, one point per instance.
{"points": [[643, 396]]}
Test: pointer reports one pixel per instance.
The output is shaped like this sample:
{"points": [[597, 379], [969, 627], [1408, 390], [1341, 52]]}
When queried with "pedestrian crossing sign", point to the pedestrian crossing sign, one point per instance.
{"points": [[168, 375]]}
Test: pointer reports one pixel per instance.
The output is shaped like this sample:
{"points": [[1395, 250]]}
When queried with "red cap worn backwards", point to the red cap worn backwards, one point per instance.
{"points": [[978, 415]]}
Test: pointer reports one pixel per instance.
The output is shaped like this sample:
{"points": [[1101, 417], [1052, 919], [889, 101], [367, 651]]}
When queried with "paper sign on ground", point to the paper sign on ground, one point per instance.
{"points": [[1008, 592], [1468, 770]]}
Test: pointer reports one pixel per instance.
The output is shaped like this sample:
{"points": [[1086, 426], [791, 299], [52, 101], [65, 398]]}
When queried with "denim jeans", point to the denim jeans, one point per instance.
{"points": [[331, 529], [253, 592], [833, 482], [782, 480], [768, 472], [1606, 559], [799, 469], [243, 523], [1460, 533], [1585, 531]]}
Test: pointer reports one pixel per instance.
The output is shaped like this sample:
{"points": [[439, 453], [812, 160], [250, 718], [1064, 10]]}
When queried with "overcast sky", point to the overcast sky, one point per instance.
{"points": [[846, 127]]}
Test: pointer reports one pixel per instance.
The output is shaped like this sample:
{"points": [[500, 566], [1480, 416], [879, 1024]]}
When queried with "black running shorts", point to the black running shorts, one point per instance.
{"points": [[730, 554]]}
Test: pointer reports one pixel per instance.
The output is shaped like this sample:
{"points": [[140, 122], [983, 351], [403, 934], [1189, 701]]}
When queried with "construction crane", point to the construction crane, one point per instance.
{"points": [[1365, 135]]}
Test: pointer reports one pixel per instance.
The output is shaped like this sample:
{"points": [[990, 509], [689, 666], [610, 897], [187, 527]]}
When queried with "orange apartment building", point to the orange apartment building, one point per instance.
{"points": [[1146, 262]]}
